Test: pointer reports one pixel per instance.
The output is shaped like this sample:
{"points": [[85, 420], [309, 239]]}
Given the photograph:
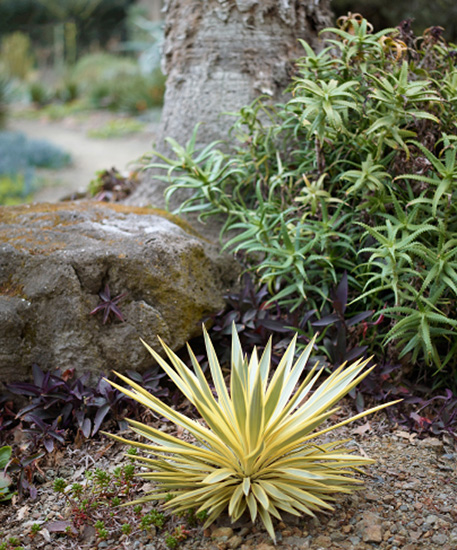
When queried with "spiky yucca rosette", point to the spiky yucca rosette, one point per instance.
{"points": [[254, 448]]}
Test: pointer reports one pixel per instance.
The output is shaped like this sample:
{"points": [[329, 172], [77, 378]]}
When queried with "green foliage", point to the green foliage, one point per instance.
{"points": [[13, 190], [355, 173], [98, 503], [132, 94], [117, 128], [4, 85], [39, 93], [13, 543], [171, 541], [420, 13], [153, 518], [68, 90], [16, 55], [99, 67], [36, 528], [179, 534], [20, 156], [5, 480], [116, 83]]}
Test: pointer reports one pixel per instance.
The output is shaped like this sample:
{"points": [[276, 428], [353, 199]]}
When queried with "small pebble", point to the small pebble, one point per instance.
{"points": [[439, 538], [222, 533], [234, 542]]}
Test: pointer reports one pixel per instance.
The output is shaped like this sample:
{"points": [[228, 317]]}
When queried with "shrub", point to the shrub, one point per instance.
{"points": [[4, 84], [101, 67], [255, 449], [132, 94], [39, 93], [14, 189], [5, 480], [43, 154], [117, 83], [117, 128], [19, 158], [68, 90], [16, 55], [357, 172]]}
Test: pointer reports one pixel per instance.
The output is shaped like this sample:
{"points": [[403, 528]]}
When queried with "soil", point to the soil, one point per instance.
{"points": [[408, 502], [89, 155]]}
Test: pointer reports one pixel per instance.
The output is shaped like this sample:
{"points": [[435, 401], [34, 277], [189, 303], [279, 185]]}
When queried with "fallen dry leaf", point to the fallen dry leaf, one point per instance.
{"points": [[360, 430], [22, 512], [406, 435]]}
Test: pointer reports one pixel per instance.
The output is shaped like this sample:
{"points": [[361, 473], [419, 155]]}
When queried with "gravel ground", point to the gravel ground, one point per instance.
{"points": [[89, 155], [408, 502]]}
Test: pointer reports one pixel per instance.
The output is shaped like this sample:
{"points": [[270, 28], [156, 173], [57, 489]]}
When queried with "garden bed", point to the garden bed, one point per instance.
{"points": [[408, 502]]}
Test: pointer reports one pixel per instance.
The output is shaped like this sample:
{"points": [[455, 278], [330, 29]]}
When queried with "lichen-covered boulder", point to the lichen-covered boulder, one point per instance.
{"points": [[55, 259]]}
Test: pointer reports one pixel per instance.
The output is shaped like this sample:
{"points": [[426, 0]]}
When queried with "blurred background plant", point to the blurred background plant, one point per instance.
{"points": [[63, 59], [16, 55], [96, 53], [4, 83], [383, 13], [20, 156]]}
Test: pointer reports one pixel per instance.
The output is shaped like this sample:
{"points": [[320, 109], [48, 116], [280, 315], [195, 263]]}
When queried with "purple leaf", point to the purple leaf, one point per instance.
{"points": [[270, 324], [359, 317], [20, 388], [38, 375], [109, 305], [85, 428], [355, 353], [117, 312], [48, 444], [99, 417], [327, 320], [105, 295], [360, 402], [307, 317], [341, 295], [27, 461], [27, 409]]}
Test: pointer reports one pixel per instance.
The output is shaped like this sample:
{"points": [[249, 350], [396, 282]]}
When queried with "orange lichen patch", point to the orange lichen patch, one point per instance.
{"points": [[11, 288], [147, 211], [50, 212]]}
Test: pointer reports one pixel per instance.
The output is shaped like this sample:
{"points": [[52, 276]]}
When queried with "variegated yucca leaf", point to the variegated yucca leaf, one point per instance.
{"points": [[254, 449]]}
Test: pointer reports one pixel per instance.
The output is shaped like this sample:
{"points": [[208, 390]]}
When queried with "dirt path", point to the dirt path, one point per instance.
{"points": [[89, 155]]}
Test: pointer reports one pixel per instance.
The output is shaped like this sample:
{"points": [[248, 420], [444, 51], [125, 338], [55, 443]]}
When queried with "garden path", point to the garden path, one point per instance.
{"points": [[89, 154]]}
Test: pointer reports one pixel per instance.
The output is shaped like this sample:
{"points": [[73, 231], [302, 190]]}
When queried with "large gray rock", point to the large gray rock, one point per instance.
{"points": [[56, 258]]}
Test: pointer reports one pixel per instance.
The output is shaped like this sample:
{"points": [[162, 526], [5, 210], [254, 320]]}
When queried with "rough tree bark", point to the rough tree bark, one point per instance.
{"points": [[220, 55]]}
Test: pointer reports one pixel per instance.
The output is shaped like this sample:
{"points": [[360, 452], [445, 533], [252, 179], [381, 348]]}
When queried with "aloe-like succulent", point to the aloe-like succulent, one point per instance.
{"points": [[254, 448]]}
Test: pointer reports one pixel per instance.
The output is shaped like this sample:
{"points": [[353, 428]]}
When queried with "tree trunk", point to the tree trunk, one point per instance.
{"points": [[220, 55]]}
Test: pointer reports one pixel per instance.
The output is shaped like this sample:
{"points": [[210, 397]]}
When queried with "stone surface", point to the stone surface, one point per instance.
{"points": [[370, 528], [222, 533], [56, 259], [322, 541], [234, 542]]}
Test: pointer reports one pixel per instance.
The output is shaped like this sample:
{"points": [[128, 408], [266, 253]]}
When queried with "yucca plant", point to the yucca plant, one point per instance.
{"points": [[255, 449]]}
